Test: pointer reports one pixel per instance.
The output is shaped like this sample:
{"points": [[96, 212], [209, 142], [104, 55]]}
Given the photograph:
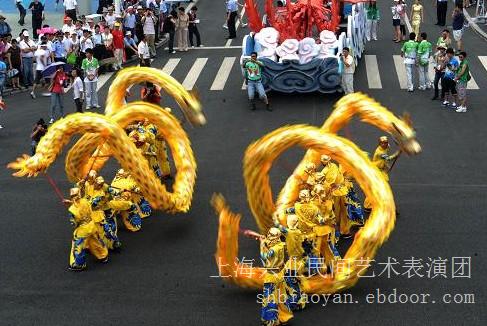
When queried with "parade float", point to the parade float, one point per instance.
{"points": [[300, 43]]}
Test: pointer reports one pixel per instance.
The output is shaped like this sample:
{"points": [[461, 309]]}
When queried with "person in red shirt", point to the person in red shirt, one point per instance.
{"points": [[57, 91], [118, 46], [151, 93]]}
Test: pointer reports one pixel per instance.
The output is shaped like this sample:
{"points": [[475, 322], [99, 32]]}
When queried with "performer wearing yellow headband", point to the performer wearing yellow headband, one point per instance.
{"points": [[142, 140], [122, 204], [159, 147], [272, 253], [86, 185], [124, 181], [382, 160], [85, 234]]}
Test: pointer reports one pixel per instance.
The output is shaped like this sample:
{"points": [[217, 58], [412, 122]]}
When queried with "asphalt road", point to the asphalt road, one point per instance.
{"points": [[163, 275]]}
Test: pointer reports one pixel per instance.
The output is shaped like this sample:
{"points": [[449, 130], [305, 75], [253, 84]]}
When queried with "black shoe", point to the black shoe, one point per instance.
{"points": [[230, 37], [252, 106], [268, 107]]}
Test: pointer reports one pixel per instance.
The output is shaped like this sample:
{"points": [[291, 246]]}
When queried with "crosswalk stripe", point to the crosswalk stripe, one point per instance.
{"points": [[102, 80], [472, 84], [401, 71], [194, 73], [170, 65], [483, 60], [223, 73], [372, 69]]}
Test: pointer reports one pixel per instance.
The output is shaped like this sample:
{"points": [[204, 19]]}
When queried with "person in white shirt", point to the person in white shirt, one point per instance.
{"points": [[348, 70], [85, 41], [110, 17], [27, 48], [144, 52], [90, 25], [78, 90], [68, 25], [74, 43], [149, 22], [71, 8], [41, 56], [67, 41], [78, 29]]}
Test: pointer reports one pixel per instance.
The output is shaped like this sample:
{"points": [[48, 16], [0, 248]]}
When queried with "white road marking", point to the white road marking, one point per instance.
{"points": [[170, 65], [372, 69], [194, 73], [102, 80], [401, 71], [408, 24], [223, 73], [472, 84]]}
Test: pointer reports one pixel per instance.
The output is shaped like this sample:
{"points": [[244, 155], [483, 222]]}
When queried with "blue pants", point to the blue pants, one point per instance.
{"points": [[27, 73], [57, 101], [256, 86]]}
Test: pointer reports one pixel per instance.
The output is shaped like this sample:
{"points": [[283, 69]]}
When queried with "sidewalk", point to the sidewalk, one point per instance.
{"points": [[478, 25]]}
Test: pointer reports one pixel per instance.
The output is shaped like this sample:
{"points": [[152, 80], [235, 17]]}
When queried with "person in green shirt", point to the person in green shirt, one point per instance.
{"points": [[424, 54], [462, 77], [90, 68], [253, 79], [373, 17], [408, 52]]}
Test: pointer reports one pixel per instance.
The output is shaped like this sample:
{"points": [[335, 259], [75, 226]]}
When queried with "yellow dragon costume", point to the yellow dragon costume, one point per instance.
{"points": [[258, 161], [104, 136]]}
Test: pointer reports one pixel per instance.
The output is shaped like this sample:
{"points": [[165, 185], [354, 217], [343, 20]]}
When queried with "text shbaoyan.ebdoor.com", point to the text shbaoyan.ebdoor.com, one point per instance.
{"points": [[380, 297]]}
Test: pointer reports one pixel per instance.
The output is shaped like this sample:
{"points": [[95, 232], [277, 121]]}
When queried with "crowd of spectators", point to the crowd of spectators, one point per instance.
{"points": [[106, 37]]}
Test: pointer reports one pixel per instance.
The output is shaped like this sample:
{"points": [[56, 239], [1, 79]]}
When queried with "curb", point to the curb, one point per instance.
{"points": [[474, 25]]}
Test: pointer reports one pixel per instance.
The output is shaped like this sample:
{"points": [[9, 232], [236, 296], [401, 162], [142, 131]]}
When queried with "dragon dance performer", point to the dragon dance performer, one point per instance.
{"points": [[295, 264], [144, 141], [87, 184], [85, 235], [383, 161], [160, 148], [272, 253], [123, 205], [103, 215], [348, 208], [316, 230]]}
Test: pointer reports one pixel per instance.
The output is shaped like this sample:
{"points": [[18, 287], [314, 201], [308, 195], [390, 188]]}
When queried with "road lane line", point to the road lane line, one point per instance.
{"points": [[223, 73], [194, 73], [401, 71], [372, 69], [102, 80], [170, 65]]}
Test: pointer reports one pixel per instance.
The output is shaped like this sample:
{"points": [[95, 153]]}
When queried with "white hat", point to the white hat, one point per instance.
{"points": [[25, 33], [140, 7], [128, 33]]}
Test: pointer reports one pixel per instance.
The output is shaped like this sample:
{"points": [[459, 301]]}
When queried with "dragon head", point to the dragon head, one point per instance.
{"points": [[192, 110], [405, 135], [27, 166]]}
